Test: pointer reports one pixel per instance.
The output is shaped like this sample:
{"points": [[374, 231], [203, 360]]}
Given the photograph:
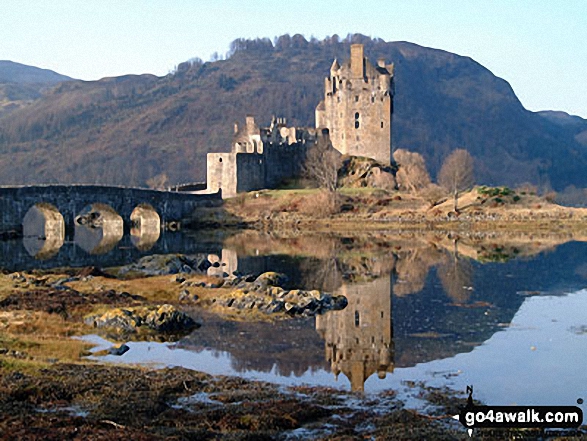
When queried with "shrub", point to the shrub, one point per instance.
{"points": [[324, 203]]}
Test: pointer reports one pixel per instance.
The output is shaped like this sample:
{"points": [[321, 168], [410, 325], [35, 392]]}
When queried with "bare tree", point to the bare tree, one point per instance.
{"points": [[433, 194], [322, 164], [412, 174], [456, 174]]}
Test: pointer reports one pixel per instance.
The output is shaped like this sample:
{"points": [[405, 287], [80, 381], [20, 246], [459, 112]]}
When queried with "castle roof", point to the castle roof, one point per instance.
{"points": [[335, 66]]}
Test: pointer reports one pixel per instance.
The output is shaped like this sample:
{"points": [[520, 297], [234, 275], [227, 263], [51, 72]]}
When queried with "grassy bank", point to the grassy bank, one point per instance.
{"points": [[361, 209]]}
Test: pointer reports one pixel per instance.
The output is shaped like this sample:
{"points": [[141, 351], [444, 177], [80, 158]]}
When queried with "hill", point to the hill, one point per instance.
{"points": [[20, 84], [11, 72], [575, 123], [128, 129]]}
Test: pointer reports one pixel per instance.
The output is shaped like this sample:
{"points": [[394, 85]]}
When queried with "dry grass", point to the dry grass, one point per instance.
{"points": [[325, 203], [374, 209], [155, 289]]}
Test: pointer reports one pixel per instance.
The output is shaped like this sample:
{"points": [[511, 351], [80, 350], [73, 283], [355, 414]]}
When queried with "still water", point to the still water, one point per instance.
{"points": [[506, 314]]}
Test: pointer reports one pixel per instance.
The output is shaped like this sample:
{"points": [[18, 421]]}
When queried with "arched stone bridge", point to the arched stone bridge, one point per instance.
{"points": [[71, 200]]}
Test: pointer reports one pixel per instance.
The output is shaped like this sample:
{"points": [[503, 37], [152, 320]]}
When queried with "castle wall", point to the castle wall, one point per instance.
{"points": [[235, 172], [221, 174], [284, 161], [250, 172], [279, 156]]}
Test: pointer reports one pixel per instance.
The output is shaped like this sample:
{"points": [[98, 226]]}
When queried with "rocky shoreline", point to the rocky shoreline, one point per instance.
{"points": [[49, 389]]}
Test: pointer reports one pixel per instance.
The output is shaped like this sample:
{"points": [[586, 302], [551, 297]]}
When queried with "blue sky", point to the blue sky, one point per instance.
{"points": [[539, 47]]}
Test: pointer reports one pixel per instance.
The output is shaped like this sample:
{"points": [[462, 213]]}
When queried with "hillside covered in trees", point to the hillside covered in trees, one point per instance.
{"points": [[128, 129]]}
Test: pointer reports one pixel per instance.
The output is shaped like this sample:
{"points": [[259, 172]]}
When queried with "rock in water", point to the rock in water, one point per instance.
{"points": [[118, 350], [123, 320]]}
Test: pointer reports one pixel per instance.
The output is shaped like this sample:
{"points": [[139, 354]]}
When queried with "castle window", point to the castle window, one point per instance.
{"points": [[356, 124], [220, 160], [381, 314], [357, 321], [372, 99], [381, 124], [356, 98], [357, 115]]}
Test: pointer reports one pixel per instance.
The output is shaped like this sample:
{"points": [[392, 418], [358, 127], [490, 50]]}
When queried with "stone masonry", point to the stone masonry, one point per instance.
{"points": [[261, 158], [355, 117], [358, 106]]}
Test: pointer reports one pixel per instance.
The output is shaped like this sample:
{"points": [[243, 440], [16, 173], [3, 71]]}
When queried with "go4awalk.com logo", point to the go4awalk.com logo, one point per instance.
{"points": [[555, 417]]}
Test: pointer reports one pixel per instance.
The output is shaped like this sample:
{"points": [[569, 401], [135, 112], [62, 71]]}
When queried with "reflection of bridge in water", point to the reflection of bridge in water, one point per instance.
{"points": [[94, 218]]}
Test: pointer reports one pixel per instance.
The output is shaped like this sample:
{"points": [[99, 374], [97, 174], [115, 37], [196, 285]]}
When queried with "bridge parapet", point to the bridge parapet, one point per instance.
{"points": [[70, 200]]}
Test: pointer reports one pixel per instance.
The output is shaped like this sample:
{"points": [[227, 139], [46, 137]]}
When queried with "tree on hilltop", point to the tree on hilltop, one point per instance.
{"points": [[456, 174]]}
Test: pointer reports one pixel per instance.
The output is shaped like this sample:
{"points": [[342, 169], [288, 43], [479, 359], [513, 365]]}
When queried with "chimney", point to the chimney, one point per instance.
{"points": [[357, 61]]}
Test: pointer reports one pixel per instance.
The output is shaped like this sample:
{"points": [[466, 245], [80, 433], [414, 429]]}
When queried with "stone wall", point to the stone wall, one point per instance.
{"points": [[279, 155], [284, 161], [250, 171], [70, 201], [221, 174]]}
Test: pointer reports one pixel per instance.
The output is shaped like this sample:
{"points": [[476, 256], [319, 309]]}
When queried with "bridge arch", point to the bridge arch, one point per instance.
{"points": [[98, 228], [43, 230], [145, 226]]}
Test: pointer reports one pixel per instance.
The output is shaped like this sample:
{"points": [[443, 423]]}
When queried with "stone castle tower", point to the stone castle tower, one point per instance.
{"points": [[358, 107]]}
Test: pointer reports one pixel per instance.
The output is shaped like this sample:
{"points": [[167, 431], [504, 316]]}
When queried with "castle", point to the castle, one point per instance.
{"points": [[355, 117]]}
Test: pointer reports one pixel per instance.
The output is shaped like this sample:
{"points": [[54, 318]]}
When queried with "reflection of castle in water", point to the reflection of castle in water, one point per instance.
{"points": [[418, 304], [359, 338]]}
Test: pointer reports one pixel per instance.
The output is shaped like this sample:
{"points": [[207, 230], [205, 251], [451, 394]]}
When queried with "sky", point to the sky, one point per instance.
{"points": [[539, 47]]}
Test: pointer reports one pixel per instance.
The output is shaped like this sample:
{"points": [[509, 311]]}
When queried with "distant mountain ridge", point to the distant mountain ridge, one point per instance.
{"points": [[125, 130], [11, 72], [563, 118], [574, 123], [20, 84]]}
